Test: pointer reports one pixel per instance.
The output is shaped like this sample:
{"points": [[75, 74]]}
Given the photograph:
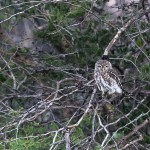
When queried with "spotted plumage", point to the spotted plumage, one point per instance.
{"points": [[106, 78]]}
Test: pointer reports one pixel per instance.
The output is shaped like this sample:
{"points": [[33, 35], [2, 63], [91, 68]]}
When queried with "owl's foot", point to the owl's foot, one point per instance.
{"points": [[103, 95]]}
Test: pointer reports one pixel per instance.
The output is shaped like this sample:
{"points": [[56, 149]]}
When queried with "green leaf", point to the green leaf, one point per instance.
{"points": [[139, 42]]}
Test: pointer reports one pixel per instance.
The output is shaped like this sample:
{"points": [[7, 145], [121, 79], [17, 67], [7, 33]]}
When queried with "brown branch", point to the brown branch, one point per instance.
{"points": [[132, 142], [137, 128], [116, 37], [121, 30], [145, 91]]}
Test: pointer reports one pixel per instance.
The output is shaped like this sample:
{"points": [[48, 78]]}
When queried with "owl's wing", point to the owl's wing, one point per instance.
{"points": [[113, 74]]}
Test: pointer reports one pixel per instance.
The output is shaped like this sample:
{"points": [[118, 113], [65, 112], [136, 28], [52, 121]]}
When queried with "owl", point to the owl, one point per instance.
{"points": [[106, 78]]}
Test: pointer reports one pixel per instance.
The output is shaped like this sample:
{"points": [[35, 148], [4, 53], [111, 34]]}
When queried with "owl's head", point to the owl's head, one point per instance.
{"points": [[103, 65]]}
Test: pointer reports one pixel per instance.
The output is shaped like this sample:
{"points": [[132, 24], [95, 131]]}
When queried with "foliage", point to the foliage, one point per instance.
{"points": [[47, 95]]}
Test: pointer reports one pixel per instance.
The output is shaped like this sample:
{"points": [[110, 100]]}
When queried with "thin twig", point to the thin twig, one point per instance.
{"points": [[120, 31]]}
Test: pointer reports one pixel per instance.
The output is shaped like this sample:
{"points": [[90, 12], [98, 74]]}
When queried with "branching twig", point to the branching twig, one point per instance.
{"points": [[131, 143], [120, 31], [106, 130], [10, 70], [86, 111]]}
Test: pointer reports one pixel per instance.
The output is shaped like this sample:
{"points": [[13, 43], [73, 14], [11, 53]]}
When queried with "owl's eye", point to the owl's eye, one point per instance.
{"points": [[106, 66]]}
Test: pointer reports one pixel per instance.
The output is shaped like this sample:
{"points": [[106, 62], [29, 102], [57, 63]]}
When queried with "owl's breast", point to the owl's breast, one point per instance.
{"points": [[106, 78]]}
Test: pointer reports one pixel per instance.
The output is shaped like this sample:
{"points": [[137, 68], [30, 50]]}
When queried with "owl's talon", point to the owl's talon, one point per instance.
{"points": [[103, 95]]}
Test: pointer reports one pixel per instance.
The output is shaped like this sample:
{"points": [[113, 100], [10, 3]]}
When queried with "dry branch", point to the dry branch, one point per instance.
{"points": [[121, 30]]}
